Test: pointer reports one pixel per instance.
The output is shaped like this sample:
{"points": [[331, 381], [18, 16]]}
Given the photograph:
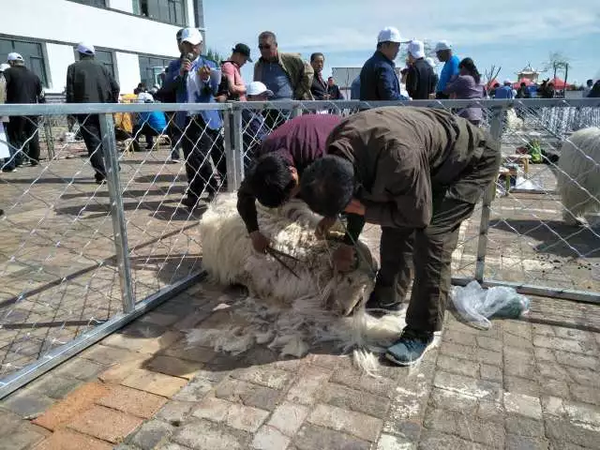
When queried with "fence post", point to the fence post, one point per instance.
{"points": [[117, 212], [229, 159], [238, 142], [496, 129], [49, 137], [234, 152], [297, 111]]}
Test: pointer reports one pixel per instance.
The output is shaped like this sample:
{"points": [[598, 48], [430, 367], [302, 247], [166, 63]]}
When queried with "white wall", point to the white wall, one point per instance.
{"points": [[121, 5], [59, 58], [69, 22], [190, 13], [129, 72]]}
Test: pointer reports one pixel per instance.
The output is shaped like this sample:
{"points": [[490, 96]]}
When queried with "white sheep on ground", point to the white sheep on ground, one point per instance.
{"points": [[578, 175], [288, 313]]}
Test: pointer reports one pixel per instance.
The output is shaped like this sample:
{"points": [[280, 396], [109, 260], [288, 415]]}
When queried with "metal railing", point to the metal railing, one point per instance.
{"points": [[80, 259]]}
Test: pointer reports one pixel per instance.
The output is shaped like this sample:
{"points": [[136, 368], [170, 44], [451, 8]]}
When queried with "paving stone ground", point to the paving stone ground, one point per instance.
{"points": [[524, 384]]}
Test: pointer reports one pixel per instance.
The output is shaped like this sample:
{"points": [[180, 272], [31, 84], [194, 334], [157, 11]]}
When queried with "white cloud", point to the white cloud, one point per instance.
{"points": [[346, 30], [353, 25]]}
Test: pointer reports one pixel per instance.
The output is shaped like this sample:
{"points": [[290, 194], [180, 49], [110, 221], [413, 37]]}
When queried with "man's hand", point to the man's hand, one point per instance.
{"points": [[204, 73], [186, 66], [355, 207], [259, 241], [323, 227], [343, 258]]}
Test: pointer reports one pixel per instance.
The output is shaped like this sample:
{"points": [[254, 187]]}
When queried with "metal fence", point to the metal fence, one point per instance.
{"points": [[80, 259]]}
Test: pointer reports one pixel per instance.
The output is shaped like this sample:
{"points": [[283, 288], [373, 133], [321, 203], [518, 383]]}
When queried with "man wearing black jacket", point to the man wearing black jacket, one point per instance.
{"points": [[421, 79], [22, 86], [89, 81]]}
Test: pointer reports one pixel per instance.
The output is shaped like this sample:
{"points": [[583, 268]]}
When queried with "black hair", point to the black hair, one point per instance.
{"points": [[315, 55], [327, 185], [271, 180], [268, 35], [471, 68]]}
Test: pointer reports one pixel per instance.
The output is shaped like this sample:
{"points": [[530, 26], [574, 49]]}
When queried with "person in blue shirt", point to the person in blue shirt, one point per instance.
{"points": [[150, 124], [378, 78], [505, 91], [443, 51], [190, 78]]}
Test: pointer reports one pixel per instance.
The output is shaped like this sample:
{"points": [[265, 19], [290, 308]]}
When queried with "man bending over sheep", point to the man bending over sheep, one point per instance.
{"points": [[418, 173], [282, 158]]}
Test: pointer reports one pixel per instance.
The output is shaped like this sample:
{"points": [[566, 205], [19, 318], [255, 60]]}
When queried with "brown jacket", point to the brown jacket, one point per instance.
{"points": [[299, 72], [403, 156]]}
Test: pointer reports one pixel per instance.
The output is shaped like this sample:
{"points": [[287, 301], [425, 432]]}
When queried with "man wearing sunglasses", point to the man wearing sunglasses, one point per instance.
{"points": [[285, 74]]}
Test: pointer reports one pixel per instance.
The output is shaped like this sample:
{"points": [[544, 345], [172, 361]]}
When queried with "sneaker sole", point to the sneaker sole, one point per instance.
{"points": [[391, 357]]}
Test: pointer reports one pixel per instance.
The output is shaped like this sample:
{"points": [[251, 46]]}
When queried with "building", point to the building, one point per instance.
{"points": [[135, 39], [528, 73]]}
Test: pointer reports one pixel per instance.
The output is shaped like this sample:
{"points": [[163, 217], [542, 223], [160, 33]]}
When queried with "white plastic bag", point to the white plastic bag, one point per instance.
{"points": [[4, 151], [476, 305]]}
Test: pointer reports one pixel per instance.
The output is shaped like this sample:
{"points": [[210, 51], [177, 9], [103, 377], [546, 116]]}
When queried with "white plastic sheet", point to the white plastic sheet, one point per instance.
{"points": [[4, 151], [476, 305]]}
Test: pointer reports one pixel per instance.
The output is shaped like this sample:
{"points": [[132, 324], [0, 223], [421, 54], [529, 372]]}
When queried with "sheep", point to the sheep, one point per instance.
{"points": [[578, 177], [289, 314]]}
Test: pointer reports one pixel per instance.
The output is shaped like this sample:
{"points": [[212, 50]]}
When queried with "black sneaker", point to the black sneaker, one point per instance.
{"points": [[410, 348], [190, 201], [381, 302]]}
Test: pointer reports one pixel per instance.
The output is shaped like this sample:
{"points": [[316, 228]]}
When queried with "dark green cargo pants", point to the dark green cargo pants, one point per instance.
{"points": [[430, 248]]}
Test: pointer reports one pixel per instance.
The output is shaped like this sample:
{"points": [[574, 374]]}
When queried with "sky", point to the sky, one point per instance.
{"points": [[508, 34]]}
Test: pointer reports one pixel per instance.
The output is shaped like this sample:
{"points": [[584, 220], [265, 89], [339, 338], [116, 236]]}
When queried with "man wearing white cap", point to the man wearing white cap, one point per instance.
{"points": [[191, 80], [89, 81], [420, 80], [254, 125], [378, 79], [443, 51], [22, 86]]}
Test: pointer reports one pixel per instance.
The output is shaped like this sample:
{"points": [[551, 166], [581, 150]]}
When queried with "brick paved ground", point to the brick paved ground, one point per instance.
{"points": [[530, 384], [523, 384], [57, 255]]}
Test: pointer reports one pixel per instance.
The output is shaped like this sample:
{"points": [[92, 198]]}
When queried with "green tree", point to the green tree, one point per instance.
{"points": [[557, 61], [214, 55]]}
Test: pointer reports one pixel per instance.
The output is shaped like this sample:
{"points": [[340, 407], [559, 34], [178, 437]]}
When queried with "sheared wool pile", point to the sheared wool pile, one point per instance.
{"points": [[289, 314]]}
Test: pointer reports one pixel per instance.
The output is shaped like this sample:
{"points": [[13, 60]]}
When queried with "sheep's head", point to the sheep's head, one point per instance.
{"points": [[352, 289]]}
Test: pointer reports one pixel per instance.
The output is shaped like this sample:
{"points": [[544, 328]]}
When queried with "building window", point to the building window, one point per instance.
{"points": [[170, 11], [31, 52], [97, 3], [151, 68], [105, 57]]}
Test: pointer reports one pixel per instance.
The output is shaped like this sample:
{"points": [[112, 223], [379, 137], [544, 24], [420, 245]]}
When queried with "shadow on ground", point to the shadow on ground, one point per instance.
{"points": [[555, 237]]}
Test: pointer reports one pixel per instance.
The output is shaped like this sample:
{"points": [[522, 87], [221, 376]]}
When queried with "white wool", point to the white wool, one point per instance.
{"points": [[513, 122], [366, 361], [229, 258], [578, 174], [290, 314]]}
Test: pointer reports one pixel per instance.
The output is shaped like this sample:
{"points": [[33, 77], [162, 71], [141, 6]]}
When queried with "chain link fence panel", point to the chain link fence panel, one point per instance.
{"points": [[92, 237]]}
